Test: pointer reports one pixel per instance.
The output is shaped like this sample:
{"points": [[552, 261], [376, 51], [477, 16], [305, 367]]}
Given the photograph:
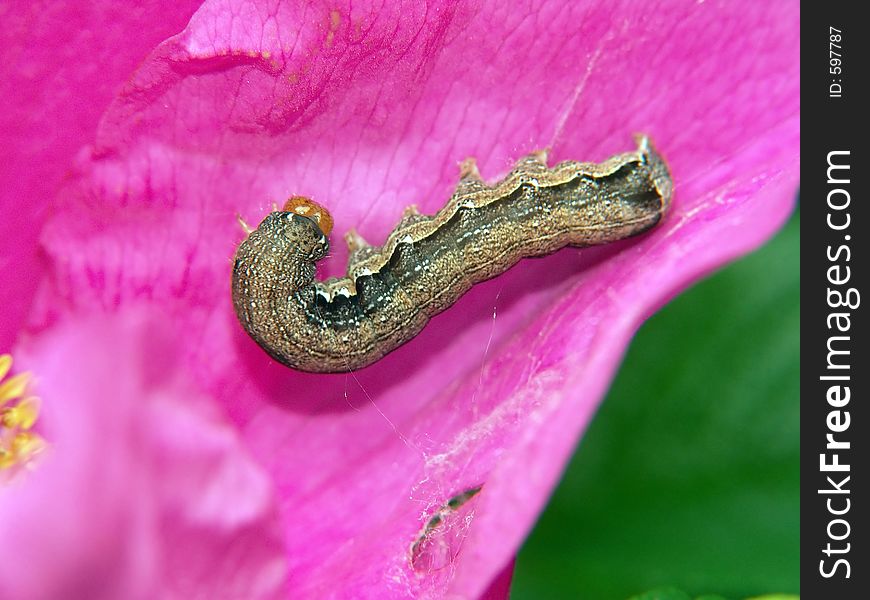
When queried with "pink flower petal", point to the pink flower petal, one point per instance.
{"points": [[60, 65], [144, 491], [367, 108]]}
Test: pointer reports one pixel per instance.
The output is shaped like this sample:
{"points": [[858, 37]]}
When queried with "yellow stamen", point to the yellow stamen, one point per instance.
{"points": [[13, 387], [5, 363], [23, 415], [27, 444], [18, 414]]}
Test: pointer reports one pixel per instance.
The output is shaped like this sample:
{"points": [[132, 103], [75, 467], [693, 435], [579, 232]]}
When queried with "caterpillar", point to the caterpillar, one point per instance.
{"points": [[429, 261]]}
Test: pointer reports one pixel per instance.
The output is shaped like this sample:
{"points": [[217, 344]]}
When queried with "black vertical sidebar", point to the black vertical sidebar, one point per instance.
{"points": [[835, 562]]}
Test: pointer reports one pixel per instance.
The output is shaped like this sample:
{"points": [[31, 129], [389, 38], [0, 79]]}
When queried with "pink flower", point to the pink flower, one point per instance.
{"points": [[181, 460], [145, 490]]}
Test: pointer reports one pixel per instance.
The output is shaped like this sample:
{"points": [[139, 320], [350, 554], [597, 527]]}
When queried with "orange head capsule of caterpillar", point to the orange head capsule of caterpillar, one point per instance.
{"points": [[306, 207]]}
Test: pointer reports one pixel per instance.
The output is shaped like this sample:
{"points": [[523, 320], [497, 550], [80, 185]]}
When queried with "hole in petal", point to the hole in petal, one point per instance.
{"points": [[439, 541]]}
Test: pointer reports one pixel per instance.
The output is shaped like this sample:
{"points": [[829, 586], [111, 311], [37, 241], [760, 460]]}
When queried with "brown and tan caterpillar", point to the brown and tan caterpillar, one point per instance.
{"points": [[428, 262]]}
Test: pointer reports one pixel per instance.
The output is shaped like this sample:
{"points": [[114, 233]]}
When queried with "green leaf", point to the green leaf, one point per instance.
{"points": [[663, 594], [689, 474]]}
